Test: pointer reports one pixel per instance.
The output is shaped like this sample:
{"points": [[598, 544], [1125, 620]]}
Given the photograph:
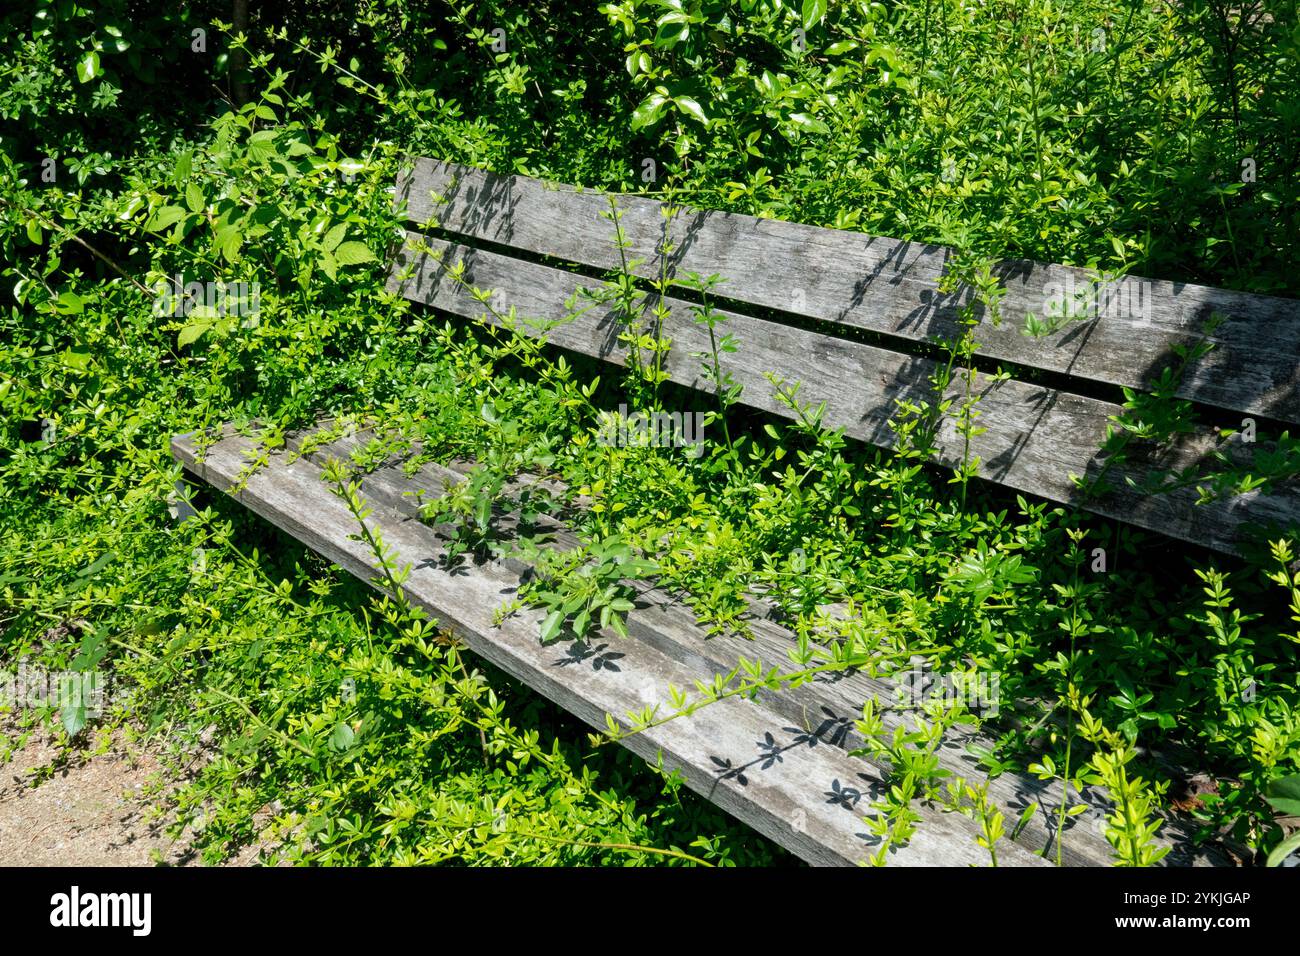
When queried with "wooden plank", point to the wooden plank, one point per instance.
{"points": [[828, 706], [737, 753], [885, 285], [1035, 437]]}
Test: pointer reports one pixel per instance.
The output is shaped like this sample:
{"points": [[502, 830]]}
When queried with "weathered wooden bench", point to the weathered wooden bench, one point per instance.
{"points": [[850, 317]]}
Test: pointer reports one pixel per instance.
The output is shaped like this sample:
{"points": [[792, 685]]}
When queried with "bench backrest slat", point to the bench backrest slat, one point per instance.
{"points": [[888, 286], [1036, 438]]}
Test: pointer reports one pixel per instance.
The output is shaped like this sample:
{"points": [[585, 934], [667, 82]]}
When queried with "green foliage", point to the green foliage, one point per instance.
{"points": [[586, 588], [354, 729]]}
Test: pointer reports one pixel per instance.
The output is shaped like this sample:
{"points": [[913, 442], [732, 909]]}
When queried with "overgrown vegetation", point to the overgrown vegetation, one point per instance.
{"points": [[1113, 135]]}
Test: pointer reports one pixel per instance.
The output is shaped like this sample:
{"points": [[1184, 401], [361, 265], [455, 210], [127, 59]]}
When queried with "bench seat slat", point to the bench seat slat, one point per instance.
{"points": [[785, 799], [828, 705]]}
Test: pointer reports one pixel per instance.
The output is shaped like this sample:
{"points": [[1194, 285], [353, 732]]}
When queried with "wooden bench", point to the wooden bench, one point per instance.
{"points": [[848, 316]]}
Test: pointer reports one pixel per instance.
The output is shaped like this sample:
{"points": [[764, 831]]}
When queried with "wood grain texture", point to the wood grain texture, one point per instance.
{"points": [[1036, 438], [737, 753], [827, 707], [885, 285]]}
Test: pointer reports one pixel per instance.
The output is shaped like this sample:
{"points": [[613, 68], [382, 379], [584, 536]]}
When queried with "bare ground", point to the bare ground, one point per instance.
{"points": [[89, 809]]}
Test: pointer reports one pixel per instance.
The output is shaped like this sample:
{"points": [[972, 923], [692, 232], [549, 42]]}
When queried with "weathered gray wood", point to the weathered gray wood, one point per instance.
{"points": [[883, 285], [736, 753], [826, 707], [1036, 438]]}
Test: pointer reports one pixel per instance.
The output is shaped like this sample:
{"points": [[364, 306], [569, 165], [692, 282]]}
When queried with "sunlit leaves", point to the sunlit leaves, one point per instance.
{"points": [[88, 67], [813, 13]]}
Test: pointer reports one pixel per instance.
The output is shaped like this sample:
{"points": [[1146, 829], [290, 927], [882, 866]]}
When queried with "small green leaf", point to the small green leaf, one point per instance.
{"points": [[691, 107], [165, 217], [342, 738], [77, 357], [649, 111], [88, 67], [551, 625], [69, 303], [809, 122], [353, 253], [97, 565], [813, 13], [334, 237], [74, 715], [1284, 849], [674, 27], [261, 145], [581, 621], [194, 198], [191, 333], [229, 241], [1284, 795]]}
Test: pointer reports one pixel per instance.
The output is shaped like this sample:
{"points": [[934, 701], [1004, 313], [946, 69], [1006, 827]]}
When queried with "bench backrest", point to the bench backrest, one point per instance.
{"points": [[844, 314]]}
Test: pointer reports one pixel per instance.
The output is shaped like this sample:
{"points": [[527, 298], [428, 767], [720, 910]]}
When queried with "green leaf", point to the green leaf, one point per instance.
{"points": [[194, 198], [1284, 795], [229, 240], [191, 333], [97, 565], [690, 106], [483, 513], [165, 217], [34, 231], [74, 715], [649, 111], [343, 737], [69, 303], [78, 356], [1284, 849], [581, 621], [353, 253], [551, 625], [673, 28], [334, 237], [88, 67], [813, 12], [261, 145], [809, 122], [93, 649], [1025, 816]]}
